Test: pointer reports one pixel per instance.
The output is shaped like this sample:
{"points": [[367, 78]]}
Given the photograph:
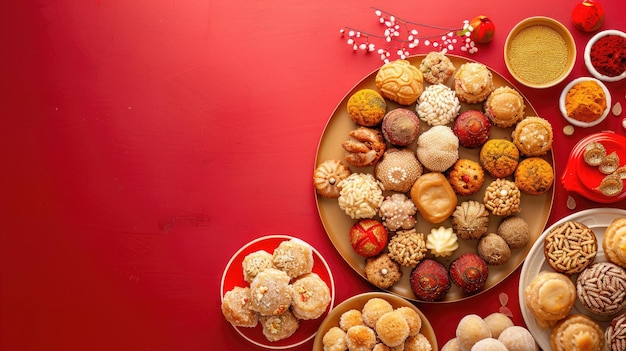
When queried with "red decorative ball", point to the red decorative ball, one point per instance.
{"points": [[588, 16], [368, 237]]}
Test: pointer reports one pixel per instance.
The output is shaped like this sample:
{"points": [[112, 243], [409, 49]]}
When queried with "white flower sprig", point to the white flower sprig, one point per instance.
{"points": [[401, 37]]}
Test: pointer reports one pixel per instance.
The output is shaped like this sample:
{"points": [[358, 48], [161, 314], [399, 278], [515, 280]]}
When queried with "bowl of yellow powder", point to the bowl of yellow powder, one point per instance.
{"points": [[585, 102], [539, 52]]}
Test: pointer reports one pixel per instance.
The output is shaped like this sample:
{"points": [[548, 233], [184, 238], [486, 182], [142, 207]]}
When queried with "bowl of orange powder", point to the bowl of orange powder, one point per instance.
{"points": [[585, 102], [605, 55]]}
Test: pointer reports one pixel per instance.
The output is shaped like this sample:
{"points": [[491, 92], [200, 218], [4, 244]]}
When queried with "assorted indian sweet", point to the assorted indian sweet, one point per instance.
{"points": [[533, 136], [614, 242], [570, 247], [473, 128], [470, 219], [550, 297], [377, 325], [469, 272], [400, 81], [382, 271], [397, 212], [445, 172], [534, 175], [614, 335], [327, 175], [601, 288], [499, 157], [398, 169], [577, 332], [473, 82], [438, 105], [438, 148], [368, 237], [441, 242], [466, 177], [400, 127], [366, 107], [437, 68], [360, 195], [494, 332], [502, 197], [282, 290], [365, 146], [504, 107], [430, 280]]}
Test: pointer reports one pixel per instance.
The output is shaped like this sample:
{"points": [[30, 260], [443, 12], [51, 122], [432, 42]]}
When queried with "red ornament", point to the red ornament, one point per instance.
{"points": [[588, 16], [483, 29]]}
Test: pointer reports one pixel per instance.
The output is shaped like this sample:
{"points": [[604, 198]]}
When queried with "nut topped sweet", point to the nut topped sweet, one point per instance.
{"points": [[615, 334], [437, 68], [407, 247], [438, 105], [570, 247], [601, 288], [502, 197]]}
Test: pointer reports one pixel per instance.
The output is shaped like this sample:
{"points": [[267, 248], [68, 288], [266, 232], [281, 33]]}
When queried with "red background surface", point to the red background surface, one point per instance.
{"points": [[146, 141]]}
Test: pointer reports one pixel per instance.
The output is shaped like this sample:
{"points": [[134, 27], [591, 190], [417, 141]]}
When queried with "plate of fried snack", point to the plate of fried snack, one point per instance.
{"points": [[433, 177], [276, 290], [375, 321], [573, 283]]}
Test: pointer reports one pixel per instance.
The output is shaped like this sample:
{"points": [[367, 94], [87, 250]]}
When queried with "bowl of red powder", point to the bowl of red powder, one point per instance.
{"points": [[605, 55]]}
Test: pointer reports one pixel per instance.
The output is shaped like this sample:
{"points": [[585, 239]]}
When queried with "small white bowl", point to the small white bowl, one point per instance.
{"points": [[575, 121], [587, 55]]}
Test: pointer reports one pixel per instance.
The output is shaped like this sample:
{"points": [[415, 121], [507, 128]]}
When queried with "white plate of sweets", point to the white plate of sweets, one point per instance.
{"points": [[597, 220]]}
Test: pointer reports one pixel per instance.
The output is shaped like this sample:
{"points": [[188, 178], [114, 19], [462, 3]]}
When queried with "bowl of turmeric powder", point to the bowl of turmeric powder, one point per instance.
{"points": [[605, 55], [585, 102]]}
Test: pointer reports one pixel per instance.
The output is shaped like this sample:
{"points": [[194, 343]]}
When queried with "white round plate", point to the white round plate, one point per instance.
{"points": [[597, 219], [233, 276]]}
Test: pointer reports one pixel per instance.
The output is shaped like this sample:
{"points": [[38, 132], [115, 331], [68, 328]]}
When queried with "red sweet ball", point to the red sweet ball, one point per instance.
{"points": [[472, 127], [429, 280], [368, 237], [469, 272]]}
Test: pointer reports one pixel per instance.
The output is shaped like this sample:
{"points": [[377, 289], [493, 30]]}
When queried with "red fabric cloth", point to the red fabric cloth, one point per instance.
{"points": [[146, 141]]}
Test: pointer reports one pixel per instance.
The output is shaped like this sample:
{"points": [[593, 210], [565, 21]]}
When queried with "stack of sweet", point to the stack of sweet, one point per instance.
{"points": [[378, 326], [570, 249], [495, 332], [282, 291], [402, 167]]}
